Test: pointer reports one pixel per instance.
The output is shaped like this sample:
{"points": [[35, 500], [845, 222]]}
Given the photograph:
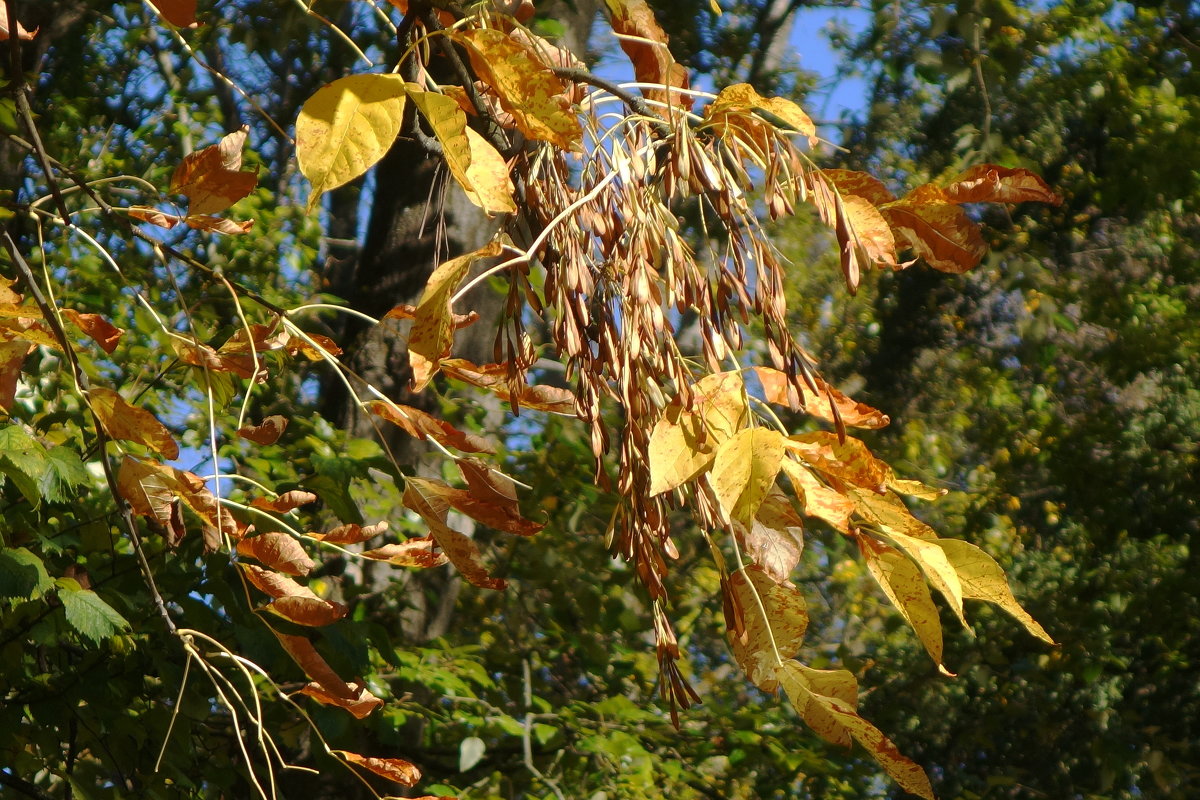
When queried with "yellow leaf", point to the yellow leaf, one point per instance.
{"points": [[905, 587], [849, 182], [819, 500], [130, 423], [821, 700], [937, 567], [433, 324], [844, 461], [449, 124], [677, 451], [888, 511], [983, 579], [744, 470], [491, 186], [346, 127], [530, 92], [764, 640]]}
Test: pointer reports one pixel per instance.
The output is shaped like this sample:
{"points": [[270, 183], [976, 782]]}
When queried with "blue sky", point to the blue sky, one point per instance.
{"points": [[812, 46]]}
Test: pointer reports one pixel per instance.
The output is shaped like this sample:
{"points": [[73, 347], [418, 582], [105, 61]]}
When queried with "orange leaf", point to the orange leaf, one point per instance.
{"points": [[360, 706], [267, 432], [652, 60], [409, 311], [845, 461], [527, 90], [936, 229], [988, 183], [860, 184], [101, 330], [180, 13], [351, 534], [130, 423], [857, 415], [419, 424], [198, 354], [284, 502], [278, 551], [153, 490], [417, 552], [298, 345], [212, 179], [310, 611], [394, 769], [494, 378], [817, 499]]}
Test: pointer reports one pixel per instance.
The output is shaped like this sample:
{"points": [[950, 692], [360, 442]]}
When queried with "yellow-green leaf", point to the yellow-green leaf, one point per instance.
{"points": [[744, 470], [346, 127], [491, 185], [905, 587], [983, 579], [678, 451], [820, 700], [932, 560]]}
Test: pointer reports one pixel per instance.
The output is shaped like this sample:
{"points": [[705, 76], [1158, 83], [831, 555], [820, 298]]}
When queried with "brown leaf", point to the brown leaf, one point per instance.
{"points": [[12, 358], [263, 338], [267, 432], [427, 498], [310, 611], [652, 60], [198, 354], [360, 706], [4, 26], [394, 769], [154, 216], [130, 423], [409, 311], [315, 667], [154, 490], [776, 389], [351, 534], [273, 583], [212, 178], [494, 378], [776, 537], [419, 552], [229, 227], [298, 345], [180, 13], [278, 551], [988, 183], [101, 330], [421, 425], [936, 229], [285, 502]]}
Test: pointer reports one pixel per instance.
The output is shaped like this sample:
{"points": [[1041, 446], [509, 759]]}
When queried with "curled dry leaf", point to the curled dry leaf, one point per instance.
{"points": [[155, 217], [652, 60], [207, 222], [360, 706], [278, 551], [273, 583], [101, 330], [937, 229], [266, 432], [198, 354], [285, 502], [394, 769], [180, 13], [409, 311], [351, 533], [427, 498], [419, 552], [298, 345], [422, 425], [130, 423], [315, 667], [6, 28], [156, 491], [988, 183], [494, 378]]}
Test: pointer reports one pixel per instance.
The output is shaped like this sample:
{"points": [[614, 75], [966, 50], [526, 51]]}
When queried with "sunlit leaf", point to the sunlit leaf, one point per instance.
{"points": [[818, 500], [285, 502], [432, 331], [777, 386], [652, 60], [937, 229], [426, 498], [360, 705], [180, 13], [346, 127], [905, 587], [266, 432], [988, 183], [774, 619], [351, 534], [494, 378], [308, 610], [422, 425], [130, 423], [212, 178], [394, 769], [5, 28], [417, 552], [744, 470], [101, 330], [273, 583], [983, 579], [278, 551]]}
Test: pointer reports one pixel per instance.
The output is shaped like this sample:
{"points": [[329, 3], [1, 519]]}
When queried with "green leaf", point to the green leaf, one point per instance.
{"points": [[87, 613], [64, 472], [23, 459], [22, 574]]}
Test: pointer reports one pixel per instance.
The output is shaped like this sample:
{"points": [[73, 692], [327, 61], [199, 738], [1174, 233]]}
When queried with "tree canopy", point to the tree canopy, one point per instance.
{"points": [[393, 397]]}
